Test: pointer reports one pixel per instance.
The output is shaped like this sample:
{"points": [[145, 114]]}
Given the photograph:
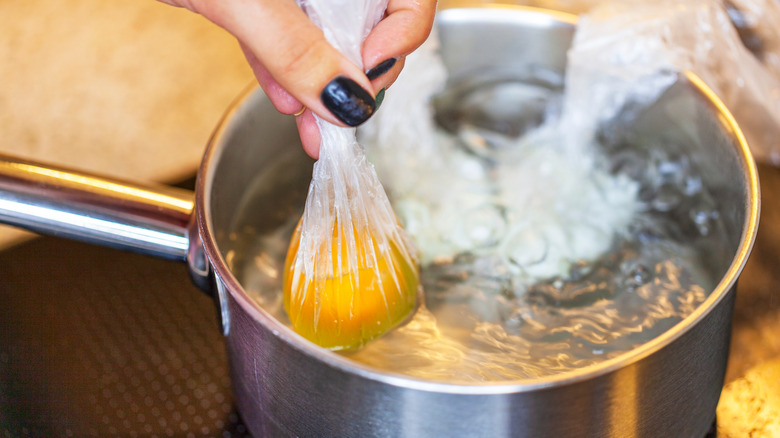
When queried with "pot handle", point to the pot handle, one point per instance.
{"points": [[49, 200]]}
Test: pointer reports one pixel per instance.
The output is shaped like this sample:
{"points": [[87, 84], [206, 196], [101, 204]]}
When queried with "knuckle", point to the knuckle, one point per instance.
{"points": [[304, 58]]}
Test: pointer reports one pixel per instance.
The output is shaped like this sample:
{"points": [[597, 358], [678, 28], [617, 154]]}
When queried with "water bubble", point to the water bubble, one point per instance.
{"points": [[693, 186], [666, 198], [674, 172], [702, 212], [579, 270], [484, 226], [514, 323], [630, 163], [637, 276], [704, 219], [526, 247], [646, 233]]}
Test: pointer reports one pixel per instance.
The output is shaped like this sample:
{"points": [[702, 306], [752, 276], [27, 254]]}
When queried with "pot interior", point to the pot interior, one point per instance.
{"points": [[257, 175]]}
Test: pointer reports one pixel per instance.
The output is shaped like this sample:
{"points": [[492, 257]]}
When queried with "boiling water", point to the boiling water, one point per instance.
{"points": [[540, 253], [475, 324]]}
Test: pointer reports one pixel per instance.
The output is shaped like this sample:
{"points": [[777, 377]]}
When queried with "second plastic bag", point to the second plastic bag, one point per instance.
{"points": [[351, 272]]}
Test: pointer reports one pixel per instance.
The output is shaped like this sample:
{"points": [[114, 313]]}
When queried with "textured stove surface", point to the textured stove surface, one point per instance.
{"points": [[96, 342]]}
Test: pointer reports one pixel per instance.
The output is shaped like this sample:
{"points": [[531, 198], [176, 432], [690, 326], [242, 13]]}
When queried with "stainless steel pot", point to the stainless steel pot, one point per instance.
{"points": [[287, 386]]}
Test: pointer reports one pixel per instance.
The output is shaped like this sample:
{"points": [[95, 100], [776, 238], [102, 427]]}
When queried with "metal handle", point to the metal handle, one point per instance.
{"points": [[47, 200]]}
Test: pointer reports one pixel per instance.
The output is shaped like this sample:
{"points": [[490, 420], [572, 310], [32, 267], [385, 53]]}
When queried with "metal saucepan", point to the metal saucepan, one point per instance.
{"points": [[286, 386]]}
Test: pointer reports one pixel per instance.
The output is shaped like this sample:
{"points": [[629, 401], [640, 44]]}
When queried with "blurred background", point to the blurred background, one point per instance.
{"points": [[94, 342], [127, 88]]}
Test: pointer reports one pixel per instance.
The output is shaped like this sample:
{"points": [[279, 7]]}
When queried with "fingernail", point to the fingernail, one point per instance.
{"points": [[380, 97], [381, 68], [348, 101]]}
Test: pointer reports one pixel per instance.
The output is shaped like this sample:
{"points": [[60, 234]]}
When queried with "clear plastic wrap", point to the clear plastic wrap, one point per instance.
{"points": [[627, 52], [351, 271]]}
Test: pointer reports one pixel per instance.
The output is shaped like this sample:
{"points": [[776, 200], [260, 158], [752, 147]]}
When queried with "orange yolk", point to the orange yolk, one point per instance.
{"points": [[343, 312]]}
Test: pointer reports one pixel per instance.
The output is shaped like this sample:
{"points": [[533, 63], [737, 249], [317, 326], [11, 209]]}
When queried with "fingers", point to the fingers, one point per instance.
{"points": [[299, 70], [283, 101], [406, 26], [310, 134], [288, 52]]}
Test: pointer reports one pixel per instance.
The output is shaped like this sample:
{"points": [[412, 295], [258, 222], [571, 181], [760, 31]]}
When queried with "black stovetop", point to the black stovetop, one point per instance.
{"points": [[97, 342]]}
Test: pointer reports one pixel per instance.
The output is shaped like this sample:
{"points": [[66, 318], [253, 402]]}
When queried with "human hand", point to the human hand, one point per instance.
{"points": [[302, 73]]}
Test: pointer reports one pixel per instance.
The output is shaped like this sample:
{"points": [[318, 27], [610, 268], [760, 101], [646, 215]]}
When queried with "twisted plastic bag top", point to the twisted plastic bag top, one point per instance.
{"points": [[351, 272], [629, 51]]}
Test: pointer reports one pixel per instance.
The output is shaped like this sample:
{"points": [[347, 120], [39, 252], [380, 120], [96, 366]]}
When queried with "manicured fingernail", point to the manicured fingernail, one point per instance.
{"points": [[380, 97], [381, 68], [348, 101]]}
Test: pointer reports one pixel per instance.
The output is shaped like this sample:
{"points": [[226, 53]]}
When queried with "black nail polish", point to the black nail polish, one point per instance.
{"points": [[380, 97], [348, 101], [381, 68]]}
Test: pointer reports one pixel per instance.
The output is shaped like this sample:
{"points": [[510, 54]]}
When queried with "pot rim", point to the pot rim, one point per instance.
{"points": [[287, 335]]}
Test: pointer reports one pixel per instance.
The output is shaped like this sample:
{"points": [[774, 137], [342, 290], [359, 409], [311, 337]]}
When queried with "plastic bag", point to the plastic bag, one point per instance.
{"points": [[628, 52], [351, 271]]}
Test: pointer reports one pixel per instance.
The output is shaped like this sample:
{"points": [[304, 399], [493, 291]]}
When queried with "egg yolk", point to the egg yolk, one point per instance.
{"points": [[356, 303]]}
